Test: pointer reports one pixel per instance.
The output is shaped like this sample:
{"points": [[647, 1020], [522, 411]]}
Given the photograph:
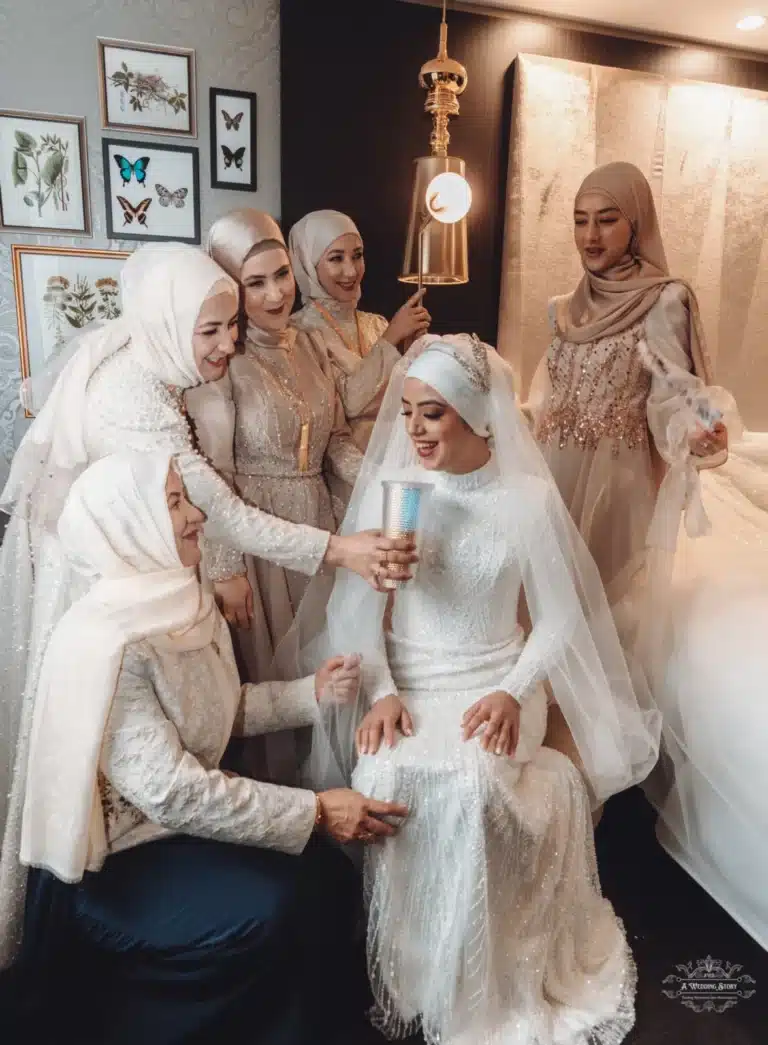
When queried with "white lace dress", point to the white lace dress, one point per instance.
{"points": [[169, 725], [486, 921]]}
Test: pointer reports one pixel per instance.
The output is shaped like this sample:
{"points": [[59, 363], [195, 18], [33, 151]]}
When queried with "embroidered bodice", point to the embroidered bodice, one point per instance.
{"points": [[599, 391]]}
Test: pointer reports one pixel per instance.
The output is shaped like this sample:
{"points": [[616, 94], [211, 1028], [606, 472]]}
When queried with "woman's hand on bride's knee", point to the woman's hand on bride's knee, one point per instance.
{"points": [[348, 816], [387, 716], [499, 712]]}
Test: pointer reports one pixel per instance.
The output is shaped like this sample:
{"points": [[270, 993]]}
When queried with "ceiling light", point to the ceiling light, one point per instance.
{"points": [[751, 22]]}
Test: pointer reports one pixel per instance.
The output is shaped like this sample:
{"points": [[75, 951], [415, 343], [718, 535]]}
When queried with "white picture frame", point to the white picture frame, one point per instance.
{"points": [[147, 88], [152, 191], [58, 291], [44, 174]]}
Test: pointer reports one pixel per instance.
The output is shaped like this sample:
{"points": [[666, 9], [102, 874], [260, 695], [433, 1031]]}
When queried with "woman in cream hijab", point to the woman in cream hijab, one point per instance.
{"points": [[120, 386], [201, 903], [328, 263], [275, 425]]}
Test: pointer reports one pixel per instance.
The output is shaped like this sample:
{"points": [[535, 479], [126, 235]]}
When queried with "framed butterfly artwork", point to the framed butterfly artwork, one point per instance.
{"points": [[233, 140], [152, 191]]}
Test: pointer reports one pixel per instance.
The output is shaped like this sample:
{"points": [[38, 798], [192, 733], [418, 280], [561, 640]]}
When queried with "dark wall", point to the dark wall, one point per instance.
{"points": [[353, 120]]}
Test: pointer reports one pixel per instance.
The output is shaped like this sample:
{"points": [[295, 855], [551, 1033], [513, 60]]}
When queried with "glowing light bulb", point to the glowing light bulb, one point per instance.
{"points": [[448, 197], [750, 23]]}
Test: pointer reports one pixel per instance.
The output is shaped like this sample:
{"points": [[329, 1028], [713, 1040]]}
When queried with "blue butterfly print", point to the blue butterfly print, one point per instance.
{"points": [[138, 168]]}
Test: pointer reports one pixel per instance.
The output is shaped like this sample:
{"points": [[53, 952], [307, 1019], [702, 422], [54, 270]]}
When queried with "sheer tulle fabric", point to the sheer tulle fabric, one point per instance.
{"points": [[710, 787], [613, 721]]}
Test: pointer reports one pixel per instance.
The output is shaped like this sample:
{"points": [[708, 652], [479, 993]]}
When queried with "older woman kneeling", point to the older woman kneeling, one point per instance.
{"points": [[188, 904]]}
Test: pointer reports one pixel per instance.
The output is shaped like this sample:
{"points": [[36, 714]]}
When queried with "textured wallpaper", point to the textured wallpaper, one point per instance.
{"points": [[705, 150], [48, 64]]}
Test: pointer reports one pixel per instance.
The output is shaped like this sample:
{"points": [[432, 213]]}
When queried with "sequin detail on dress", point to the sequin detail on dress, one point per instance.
{"points": [[599, 392]]}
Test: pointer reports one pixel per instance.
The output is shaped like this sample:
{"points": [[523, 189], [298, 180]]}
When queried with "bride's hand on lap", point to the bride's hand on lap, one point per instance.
{"points": [[348, 816], [500, 713], [387, 716], [235, 596]]}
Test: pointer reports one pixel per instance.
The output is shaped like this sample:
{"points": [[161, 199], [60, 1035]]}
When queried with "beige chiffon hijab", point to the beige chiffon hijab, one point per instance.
{"points": [[604, 306]]}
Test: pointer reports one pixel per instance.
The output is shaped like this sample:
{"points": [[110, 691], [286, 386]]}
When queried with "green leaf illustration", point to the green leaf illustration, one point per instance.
{"points": [[52, 168], [19, 168], [32, 199], [25, 142]]}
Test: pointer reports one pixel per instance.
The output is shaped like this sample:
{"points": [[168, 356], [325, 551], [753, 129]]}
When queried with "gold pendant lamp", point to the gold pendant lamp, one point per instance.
{"points": [[436, 242]]}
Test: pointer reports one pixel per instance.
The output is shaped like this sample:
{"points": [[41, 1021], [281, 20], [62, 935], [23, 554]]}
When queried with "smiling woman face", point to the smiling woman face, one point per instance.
{"points": [[214, 336], [603, 235], [441, 437], [187, 521], [341, 269], [270, 290]]}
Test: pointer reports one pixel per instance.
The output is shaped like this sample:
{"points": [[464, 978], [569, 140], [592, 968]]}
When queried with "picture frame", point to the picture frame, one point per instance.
{"points": [[151, 190], [147, 88], [58, 290], [233, 134], [44, 173]]}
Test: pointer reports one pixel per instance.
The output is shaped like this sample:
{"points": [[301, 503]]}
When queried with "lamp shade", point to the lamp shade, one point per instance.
{"points": [[444, 246]]}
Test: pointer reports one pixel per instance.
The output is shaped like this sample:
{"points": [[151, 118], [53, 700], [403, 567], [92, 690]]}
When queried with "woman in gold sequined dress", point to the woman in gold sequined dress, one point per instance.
{"points": [[616, 434], [275, 425]]}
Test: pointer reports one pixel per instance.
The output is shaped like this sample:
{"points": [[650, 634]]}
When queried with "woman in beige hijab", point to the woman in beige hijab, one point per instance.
{"points": [[612, 399], [274, 424], [328, 262], [622, 409]]}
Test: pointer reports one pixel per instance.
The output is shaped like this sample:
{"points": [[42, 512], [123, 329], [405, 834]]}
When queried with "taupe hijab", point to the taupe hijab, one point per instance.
{"points": [[238, 236], [606, 305]]}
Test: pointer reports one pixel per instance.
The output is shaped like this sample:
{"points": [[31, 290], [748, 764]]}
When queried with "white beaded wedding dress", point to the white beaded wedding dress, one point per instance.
{"points": [[486, 923]]}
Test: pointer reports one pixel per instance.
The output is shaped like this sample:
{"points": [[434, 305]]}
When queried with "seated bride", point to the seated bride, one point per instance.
{"points": [[486, 923], [170, 901]]}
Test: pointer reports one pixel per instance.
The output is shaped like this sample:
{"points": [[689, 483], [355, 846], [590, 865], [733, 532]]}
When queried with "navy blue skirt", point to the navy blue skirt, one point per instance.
{"points": [[189, 942]]}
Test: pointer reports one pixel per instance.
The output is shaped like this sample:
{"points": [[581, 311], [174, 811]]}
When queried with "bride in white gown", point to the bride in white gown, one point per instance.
{"points": [[486, 921]]}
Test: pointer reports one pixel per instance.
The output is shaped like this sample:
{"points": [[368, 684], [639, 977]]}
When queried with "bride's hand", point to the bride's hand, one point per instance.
{"points": [[501, 712], [385, 717]]}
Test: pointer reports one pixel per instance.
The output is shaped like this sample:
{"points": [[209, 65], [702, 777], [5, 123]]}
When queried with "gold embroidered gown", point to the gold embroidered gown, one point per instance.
{"points": [[250, 425], [595, 410]]}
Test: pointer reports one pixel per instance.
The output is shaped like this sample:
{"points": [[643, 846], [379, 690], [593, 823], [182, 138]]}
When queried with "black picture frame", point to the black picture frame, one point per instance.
{"points": [[249, 184], [147, 147]]}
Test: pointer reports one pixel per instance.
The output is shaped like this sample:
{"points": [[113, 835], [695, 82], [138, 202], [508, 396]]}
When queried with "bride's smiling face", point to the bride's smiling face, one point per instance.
{"points": [[443, 440]]}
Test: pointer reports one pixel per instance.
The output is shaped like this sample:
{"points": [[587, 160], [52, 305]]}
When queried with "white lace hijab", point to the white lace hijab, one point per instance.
{"points": [[612, 719], [115, 529]]}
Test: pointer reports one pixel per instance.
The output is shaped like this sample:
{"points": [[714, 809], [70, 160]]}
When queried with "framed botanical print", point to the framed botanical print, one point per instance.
{"points": [[58, 291], [147, 88], [233, 140], [43, 173], [152, 191]]}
